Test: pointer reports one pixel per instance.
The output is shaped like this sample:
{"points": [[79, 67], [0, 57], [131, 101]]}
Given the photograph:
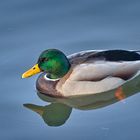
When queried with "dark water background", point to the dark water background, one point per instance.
{"points": [[28, 27]]}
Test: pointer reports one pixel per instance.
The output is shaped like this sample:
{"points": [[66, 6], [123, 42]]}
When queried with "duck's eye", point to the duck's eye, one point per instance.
{"points": [[43, 59]]}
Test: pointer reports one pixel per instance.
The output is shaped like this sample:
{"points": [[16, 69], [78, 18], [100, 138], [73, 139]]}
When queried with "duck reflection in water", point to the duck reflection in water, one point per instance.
{"points": [[85, 80], [59, 110]]}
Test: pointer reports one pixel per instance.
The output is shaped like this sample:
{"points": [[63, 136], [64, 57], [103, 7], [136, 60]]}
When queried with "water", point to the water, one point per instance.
{"points": [[29, 27]]}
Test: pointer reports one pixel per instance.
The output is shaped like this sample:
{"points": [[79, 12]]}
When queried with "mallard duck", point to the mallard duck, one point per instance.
{"points": [[83, 73]]}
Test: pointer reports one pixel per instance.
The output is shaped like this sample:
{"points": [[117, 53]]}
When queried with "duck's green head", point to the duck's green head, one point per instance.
{"points": [[51, 61]]}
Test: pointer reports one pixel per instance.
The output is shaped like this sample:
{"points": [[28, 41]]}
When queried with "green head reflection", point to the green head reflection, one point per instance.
{"points": [[54, 114]]}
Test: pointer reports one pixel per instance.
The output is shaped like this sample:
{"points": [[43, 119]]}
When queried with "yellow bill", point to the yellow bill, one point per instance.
{"points": [[34, 70]]}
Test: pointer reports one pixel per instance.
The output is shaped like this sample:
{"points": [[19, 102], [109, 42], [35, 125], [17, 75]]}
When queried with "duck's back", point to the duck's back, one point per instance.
{"points": [[109, 55]]}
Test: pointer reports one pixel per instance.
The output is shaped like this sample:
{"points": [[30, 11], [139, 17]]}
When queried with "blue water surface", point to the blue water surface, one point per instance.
{"points": [[27, 27]]}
